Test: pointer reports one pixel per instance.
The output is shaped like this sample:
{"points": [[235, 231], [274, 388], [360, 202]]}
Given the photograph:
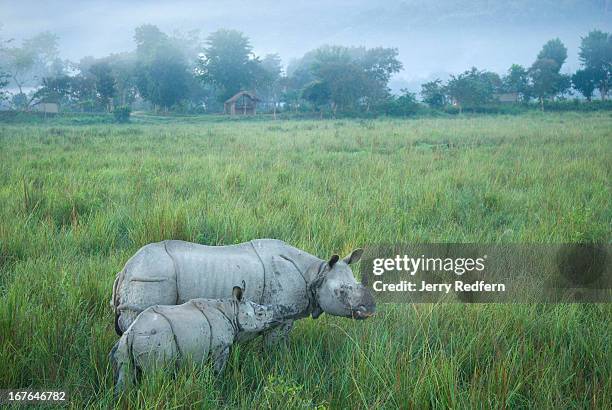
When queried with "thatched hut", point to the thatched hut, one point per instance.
{"points": [[507, 98], [243, 103], [46, 107]]}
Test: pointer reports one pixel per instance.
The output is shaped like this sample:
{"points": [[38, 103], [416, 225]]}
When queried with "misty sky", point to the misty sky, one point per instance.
{"points": [[434, 38]]}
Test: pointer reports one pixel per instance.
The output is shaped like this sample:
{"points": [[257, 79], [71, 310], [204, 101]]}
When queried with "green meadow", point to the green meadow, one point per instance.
{"points": [[76, 201]]}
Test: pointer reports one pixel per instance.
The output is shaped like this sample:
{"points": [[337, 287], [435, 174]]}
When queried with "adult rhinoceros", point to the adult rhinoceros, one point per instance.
{"points": [[173, 272]]}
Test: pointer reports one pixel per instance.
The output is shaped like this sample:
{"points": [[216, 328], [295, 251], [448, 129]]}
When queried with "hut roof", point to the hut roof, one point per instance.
{"points": [[240, 94], [507, 97]]}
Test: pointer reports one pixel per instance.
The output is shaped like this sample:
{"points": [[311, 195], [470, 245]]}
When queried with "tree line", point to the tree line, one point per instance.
{"points": [[541, 81], [186, 73]]}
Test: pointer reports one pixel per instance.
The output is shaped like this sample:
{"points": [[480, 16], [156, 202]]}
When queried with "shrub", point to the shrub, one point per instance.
{"points": [[578, 105], [122, 113], [402, 106]]}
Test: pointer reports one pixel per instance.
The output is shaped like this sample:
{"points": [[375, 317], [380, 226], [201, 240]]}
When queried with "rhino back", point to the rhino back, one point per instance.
{"points": [[193, 332], [212, 271], [272, 270]]}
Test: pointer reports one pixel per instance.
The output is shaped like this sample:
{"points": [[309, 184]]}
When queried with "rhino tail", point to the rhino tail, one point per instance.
{"points": [[114, 302], [117, 327], [115, 299]]}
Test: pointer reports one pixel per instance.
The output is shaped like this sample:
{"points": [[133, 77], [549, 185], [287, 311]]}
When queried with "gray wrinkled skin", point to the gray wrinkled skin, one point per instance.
{"points": [[199, 330], [173, 272]]}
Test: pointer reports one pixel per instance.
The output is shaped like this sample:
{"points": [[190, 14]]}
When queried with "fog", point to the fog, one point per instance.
{"points": [[433, 38]]}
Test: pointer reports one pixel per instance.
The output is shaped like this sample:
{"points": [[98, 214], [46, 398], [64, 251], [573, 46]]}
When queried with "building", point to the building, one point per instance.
{"points": [[507, 98], [243, 103], [46, 107]]}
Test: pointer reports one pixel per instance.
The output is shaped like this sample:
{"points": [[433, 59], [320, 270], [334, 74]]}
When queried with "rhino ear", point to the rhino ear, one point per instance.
{"points": [[333, 260], [354, 256], [237, 293]]}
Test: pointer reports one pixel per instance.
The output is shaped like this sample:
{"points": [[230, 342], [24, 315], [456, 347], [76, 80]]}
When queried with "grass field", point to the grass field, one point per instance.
{"points": [[78, 201]]}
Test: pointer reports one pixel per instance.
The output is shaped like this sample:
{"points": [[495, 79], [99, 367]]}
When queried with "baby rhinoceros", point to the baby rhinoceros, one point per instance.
{"points": [[198, 330]]}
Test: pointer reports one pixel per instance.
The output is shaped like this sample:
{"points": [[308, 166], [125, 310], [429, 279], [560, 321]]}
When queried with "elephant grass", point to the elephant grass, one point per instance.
{"points": [[79, 200]]}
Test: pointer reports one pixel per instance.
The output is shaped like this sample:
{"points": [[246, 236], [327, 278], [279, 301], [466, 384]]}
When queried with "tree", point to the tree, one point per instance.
{"points": [[228, 63], [299, 72], [517, 81], [123, 67], [565, 84], [163, 80], [355, 77], [269, 85], [19, 63], [299, 76], [317, 93], [433, 93], [585, 81], [4, 77], [404, 105], [55, 89], [341, 75], [149, 38], [104, 83], [162, 74], [379, 64], [4, 80], [163, 70], [83, 92], [596, 55], [78, 92], [473, 87], [554, 50], [28, 64], [190, 44], [546, 79], [199, 96], [493, 81]]}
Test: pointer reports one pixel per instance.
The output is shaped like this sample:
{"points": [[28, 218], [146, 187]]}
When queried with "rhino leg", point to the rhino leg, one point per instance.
{"points": [[120, 359], [219, 359], [278, 335]]}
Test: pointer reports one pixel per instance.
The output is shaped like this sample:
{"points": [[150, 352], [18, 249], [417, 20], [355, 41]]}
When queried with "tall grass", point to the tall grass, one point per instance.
{"points": [[77, 201]]}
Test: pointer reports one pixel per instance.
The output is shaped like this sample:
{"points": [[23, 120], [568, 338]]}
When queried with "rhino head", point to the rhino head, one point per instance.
{"points": [[337, 291], [253, 317]]}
